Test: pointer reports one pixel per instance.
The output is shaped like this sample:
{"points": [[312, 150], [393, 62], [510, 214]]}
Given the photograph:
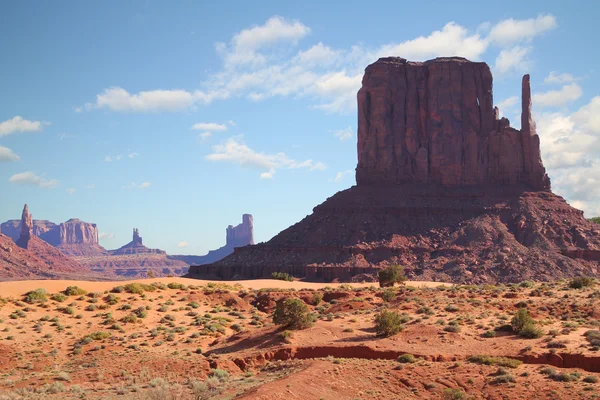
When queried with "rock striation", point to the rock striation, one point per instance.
{"points": [[444, 187], [73, 237], [235, 236], [434, 122]]}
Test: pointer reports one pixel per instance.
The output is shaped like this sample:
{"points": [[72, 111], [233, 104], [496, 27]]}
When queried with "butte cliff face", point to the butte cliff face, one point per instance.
{"points": [[136, 246], [444, 187], [73, 237], [30, 257], [435, 123], [235, 236]]}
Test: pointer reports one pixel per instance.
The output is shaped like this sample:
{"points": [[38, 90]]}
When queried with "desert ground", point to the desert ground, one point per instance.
{"points": [[177, 338]]}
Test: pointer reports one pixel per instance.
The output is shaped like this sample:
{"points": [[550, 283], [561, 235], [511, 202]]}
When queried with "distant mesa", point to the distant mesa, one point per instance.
{"points": [[445, 187], [29, 257], [135, 247], [235, 236]]}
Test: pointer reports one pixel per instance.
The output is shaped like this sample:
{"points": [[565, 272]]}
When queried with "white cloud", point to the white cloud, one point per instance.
{"points": [[341, 175], [182, 245], [344, 134], [143, 185], [318, 55], [106, 236], [452, 40], [556, 78], [7, 154], [556, 98], [133, 155], [512, 31], [588, 116], [31, 179], [204, 136], [119, 99], [236, 152], [512, 59], [71, 191], [209, 126], [107, 159], [507, 105], [19, 124]]}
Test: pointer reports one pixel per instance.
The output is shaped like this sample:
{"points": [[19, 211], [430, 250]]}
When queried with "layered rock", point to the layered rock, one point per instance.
{"points": [[73, 237], [135, 247], [31, 257], [435, 123], [235, 236], [444, 187]]}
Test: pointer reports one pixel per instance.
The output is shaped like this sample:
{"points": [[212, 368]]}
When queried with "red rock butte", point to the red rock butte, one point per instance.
{"points": [[444, 187]]}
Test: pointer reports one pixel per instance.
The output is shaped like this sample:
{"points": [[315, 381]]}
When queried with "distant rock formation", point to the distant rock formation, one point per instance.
{"points": [[135, 247], [73, 237], [444, 187], [30, 257], [238, 236]]}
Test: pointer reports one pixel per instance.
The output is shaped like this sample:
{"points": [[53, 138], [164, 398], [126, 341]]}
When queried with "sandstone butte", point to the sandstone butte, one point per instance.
{"points": [[29, 257], [444, 187]]}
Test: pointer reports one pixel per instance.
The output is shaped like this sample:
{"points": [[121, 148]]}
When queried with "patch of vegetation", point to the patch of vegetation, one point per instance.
{"points": [[74, 291], [388, 295], [453, 394], [391, 275], [36, 296], [175, 285], [59, 297], [524, 325], [293, 313], [388, 323], [581, 282], [491, 360], [407, 359], [282, 276]]}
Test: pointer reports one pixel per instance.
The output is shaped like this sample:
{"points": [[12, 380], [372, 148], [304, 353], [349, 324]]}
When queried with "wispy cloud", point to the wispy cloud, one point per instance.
{"points": [[106, 236], [556, 98], [133, 155], [182, 245], [340, 176], [209, 126], [344, 134], [134, 185], [19, 124], [7, 154], [71, 191], [233, 150], [31, 179]]}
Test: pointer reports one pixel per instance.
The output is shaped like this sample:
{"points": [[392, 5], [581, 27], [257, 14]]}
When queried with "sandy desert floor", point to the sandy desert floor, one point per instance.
{"points": [[175, 338]]}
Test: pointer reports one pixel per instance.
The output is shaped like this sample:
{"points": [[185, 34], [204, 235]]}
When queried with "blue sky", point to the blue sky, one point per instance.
{"points": [[178, 117]]}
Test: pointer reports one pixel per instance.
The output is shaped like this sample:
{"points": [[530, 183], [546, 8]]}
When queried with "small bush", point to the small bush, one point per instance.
{"points": [[317, 298], [282, 276], [489, 334], [220, 374], [453, 394], [59, 297], [388, 323], [388, 295], [74, 291], [520, 320], [499, 361], [391, 275], [407, 359], [530, 331], [581, 282], [36, 296], [590, 379], [292, 313], [178, 286]]}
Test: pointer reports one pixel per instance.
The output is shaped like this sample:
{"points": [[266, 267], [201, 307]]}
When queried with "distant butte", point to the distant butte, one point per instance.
{"points": [[444, 187]]}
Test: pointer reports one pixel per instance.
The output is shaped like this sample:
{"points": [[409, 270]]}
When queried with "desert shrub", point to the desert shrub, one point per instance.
{"points": [[504, 378], [491, 360], [453, 394], [565, 377], [292, 313], [220, 374], [36, 296], [521, 319], [590, 379], [99, 335], [489, 334], [407, 359], [74, 291], [451, 308], [286, 336], [111, 299], [388, 295], [581, 282], [452, 328], [58, 297], [129, 319], [317, 298], [175, 285], [526, 284], [282, 276], [391, 275], [388, 323], [530, 331], [137, 288], [593, 337]]}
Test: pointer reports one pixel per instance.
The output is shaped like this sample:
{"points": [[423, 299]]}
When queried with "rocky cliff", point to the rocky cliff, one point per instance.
{"points": [[235, 236], [444, 187], [31, 257], [136, 246], [73, 237]]}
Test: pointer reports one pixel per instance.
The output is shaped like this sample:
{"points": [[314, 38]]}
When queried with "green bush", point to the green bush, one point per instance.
{"points": [[388, 295], [491, 360], [292, 313], [453, 394], [591, 378], [388, 323], [36, 296], [530, 331], [282, 276], [595, 219], [59, 297], [317, 298], [74, 291], [407, 359], [489, 334], [391, 275], [521, 319], [175, 285], [581, 282]]}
